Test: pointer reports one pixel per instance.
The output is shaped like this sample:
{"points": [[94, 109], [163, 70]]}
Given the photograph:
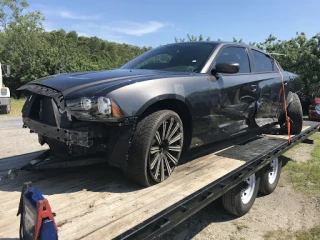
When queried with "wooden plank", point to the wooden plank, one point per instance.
{"points": [[147, 206], [285, 137], [98, 202], [113, 197]]}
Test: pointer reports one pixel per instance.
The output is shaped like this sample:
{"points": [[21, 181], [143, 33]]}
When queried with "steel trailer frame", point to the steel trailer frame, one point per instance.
{"points": [[177, 213]]}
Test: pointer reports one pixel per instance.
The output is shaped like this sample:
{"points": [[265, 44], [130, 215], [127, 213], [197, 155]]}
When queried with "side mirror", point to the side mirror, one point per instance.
{"points": [[231, 67]]}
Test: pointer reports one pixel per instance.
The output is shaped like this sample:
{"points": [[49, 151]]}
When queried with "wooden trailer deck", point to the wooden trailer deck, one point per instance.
{"points": [[96, 202]]}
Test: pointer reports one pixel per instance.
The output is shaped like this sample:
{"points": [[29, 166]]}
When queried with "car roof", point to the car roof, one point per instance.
{"points": [[220, 43]]}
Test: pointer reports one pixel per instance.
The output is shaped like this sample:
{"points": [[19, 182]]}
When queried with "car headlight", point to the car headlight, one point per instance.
{"points": [[104, 106], [97, 108], [86, 103]]}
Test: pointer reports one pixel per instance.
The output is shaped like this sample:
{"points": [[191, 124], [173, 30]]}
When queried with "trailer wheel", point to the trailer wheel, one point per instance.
{"points": [[156, 148], [270, 176], [295, 113], [240, 199], [5, 109]]}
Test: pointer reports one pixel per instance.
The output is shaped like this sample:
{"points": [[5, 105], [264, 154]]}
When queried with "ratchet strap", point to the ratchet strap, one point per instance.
{"points": [[282, 90]]}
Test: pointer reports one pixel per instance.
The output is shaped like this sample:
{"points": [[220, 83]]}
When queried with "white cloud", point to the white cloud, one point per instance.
{"points": [[88, 29], [70, 15], [50, 11], [134, 28], [49, 26]]}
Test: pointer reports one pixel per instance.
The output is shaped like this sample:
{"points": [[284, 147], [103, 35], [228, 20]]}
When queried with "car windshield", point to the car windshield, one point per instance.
{"points": [[186, 57]]}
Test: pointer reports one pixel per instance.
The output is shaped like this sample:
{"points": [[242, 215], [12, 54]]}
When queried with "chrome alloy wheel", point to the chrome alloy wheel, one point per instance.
{"points": [[248, 190], [274, 171], [165, 149]]}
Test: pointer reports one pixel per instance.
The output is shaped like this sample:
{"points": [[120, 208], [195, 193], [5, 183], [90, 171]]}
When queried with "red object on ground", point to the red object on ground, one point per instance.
{"points": [[314, 109]]}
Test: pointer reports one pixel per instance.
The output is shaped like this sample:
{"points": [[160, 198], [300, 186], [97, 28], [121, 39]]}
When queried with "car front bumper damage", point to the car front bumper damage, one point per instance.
{"points": [[116, 139], [69, 137]]}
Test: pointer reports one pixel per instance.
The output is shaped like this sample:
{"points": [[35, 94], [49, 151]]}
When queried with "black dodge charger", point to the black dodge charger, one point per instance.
{"points": [[142, 116]]}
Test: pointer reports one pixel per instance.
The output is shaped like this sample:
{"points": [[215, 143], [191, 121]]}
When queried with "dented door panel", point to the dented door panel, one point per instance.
{"points": [[269, 102]]}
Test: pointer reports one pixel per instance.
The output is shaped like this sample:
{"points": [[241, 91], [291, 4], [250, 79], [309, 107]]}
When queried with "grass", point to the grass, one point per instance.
{"points": [[16, 107], [305, 176], [304, 234]]}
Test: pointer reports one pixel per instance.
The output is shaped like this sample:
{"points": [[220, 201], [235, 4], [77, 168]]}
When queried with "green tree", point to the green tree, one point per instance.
{"points": [[22, 46], [191, 38]]}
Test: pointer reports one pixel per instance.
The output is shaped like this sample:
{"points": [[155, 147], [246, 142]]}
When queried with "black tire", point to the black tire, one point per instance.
{"points": [[268, 185], [8, 109], [5, 109], [139, 163], [295, 114], [233, 202]]}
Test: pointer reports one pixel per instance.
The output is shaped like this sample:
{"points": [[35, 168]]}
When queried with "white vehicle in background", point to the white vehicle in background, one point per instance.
{"points": [[4, 93]]}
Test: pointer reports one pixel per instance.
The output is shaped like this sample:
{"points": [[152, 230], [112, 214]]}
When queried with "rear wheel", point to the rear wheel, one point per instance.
{"points": [[295, 114], [156, 148], [5, 109], [270, 176], [240, 199]]}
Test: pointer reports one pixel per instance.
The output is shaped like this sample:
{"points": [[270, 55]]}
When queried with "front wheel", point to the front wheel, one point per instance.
{"points": [[156, 148]]}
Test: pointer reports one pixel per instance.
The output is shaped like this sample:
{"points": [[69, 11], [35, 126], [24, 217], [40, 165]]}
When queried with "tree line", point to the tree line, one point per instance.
{"points": [[33, 52]]}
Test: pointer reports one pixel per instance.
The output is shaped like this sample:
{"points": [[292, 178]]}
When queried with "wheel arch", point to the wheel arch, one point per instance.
{"points": [[174, 103]]}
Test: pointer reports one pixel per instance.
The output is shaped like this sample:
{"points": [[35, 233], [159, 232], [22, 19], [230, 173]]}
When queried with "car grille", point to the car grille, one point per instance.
{"points": [[48, 106], [46, 113], [45, 91]]}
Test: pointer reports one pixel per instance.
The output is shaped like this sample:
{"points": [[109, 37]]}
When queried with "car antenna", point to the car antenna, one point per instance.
{"points": [[279, 54]]}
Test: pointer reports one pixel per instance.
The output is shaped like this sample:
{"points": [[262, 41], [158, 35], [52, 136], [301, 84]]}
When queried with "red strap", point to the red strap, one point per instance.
{"points": [[282, 90]]}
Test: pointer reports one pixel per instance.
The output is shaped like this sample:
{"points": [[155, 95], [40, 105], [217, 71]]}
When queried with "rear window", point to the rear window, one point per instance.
{"points": [[262, 62]]}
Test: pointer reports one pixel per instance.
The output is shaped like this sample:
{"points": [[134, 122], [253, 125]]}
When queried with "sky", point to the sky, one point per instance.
{"points": [[156, 22]]}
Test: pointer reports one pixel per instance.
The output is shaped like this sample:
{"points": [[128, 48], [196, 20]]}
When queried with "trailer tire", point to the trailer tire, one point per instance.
{"points": [[270, 176], [141, 158], [295, 114], [5, 109], [236, 202]]}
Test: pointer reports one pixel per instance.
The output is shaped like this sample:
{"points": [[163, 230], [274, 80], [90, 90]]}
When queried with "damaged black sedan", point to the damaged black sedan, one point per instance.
{"points": [[142, 116]]}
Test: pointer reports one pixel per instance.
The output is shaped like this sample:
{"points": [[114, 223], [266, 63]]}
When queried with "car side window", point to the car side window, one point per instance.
{"points": [[262, 62], [275, 69], [237, 55]]}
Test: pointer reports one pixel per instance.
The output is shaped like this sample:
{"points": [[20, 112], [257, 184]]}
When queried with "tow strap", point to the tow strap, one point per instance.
{"points": [[282, 91]]}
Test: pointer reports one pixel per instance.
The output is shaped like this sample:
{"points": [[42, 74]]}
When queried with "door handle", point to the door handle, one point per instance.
{"points": [[254, 87]]}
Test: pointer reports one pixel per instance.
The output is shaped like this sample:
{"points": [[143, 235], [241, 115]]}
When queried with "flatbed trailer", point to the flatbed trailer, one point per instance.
{"points": [[97, 202]]}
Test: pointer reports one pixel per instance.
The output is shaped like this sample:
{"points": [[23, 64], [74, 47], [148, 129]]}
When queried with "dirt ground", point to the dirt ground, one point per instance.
{"points": [[283, 209]]}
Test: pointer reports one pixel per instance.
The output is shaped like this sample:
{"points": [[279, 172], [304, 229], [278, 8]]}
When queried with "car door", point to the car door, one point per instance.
{"points": [[269, 102], [237, 96]]}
